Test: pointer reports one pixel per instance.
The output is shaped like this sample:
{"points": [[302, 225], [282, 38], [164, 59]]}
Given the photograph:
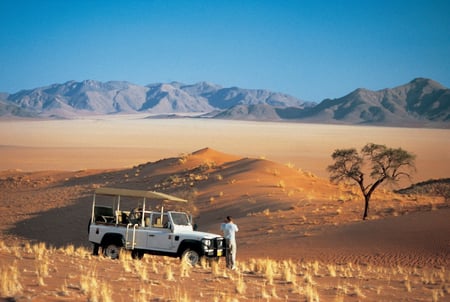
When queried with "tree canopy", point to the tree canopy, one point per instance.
{"points": [[374, 165]]}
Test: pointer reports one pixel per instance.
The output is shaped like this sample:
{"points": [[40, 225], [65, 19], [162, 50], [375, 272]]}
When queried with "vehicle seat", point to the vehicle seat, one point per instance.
{"points": [[119, 216], [158, 223]]}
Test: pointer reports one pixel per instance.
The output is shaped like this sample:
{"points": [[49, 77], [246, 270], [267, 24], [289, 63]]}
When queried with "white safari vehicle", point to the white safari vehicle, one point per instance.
{"points": [[140, 229]]}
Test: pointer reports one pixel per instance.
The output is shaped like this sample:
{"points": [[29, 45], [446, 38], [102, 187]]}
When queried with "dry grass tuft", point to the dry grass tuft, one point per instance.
{"points": [[287, 272], [215, 269], [311, 293], [94, 289], [9, 281], [42, 270], [185, 269], [169, 276], [240, 285], [140, 268]]}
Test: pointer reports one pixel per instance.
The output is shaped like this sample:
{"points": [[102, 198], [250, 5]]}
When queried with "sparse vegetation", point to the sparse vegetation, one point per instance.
{"points": [[255, 279], [436, 187]]}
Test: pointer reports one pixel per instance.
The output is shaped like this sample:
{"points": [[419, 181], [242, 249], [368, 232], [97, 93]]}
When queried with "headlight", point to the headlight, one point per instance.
{"points": [[207, 243], [220, 244]]}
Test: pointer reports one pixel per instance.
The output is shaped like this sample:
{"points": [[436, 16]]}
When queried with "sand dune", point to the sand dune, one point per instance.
{"points": [[272, 202]]}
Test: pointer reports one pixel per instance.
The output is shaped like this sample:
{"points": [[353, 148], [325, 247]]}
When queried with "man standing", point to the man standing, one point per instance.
{"points": [[229, 229]]}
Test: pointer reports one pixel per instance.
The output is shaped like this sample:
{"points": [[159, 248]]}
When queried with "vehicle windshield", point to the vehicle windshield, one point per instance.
{"points": [[180, 218]]}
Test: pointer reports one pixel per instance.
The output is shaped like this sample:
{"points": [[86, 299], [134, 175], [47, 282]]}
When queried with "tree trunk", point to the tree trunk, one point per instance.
{"points": [[369, 194], [366, 206]]}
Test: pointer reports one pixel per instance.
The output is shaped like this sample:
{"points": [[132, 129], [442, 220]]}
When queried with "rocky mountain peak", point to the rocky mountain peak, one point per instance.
{"points": [[421, 102]]}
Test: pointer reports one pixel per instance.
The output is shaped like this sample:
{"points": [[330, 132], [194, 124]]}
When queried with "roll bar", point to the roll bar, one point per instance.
{"points": [[119, 192], [137, 193]]}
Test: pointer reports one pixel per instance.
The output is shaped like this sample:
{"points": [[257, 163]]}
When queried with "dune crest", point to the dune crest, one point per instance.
{"points": [[214, 155]]}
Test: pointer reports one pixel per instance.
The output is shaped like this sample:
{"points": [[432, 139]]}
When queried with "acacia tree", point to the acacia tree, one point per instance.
{"points": [[383, 163]]}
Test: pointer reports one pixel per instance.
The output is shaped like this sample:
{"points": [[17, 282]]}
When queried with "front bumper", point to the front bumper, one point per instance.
{"points": [[214, 247]]}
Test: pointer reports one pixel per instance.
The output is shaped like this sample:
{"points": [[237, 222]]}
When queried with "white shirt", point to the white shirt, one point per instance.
{"points": [[229, 229]]}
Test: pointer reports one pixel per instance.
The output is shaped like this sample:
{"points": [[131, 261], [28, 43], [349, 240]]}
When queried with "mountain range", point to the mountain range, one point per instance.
{"points": [[419, 103]]}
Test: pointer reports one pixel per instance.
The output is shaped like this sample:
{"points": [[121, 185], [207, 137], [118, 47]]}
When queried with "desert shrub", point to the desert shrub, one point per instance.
{"points": [[434, 187]]}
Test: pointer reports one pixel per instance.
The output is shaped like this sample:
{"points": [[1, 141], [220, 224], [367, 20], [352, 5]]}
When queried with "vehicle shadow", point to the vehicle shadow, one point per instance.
{"points": [[58, 227]]}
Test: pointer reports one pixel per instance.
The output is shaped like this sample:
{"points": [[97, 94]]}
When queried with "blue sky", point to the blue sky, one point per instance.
{"points": [[309, 49]]}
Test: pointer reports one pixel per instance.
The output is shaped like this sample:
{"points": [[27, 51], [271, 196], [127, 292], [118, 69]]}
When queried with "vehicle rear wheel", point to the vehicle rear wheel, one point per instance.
{"points": [[191, 257], [111, 250]]}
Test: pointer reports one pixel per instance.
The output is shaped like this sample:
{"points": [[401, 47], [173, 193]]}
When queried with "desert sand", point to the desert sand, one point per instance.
{"points": [[301, 238]]}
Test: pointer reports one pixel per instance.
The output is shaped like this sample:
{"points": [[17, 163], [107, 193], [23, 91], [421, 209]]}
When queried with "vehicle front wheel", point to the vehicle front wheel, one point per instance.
{"points": [[112, 251], [191, 257]]}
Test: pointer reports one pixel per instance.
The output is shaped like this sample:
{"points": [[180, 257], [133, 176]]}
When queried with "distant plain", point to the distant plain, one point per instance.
{"points": [[124, 141]]}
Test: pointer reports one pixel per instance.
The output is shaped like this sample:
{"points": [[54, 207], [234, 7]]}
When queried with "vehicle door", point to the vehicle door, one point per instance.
{"points": [[159, 234], [141, 238], [136, 235]]}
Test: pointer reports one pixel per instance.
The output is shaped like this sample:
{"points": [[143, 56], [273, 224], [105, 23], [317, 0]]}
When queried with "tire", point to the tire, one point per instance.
{"points": [[137, 255], [191, 257], [111, 250]]}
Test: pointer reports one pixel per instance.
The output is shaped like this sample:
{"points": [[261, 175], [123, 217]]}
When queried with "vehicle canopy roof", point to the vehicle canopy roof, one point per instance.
{"points": [[137, 193]]}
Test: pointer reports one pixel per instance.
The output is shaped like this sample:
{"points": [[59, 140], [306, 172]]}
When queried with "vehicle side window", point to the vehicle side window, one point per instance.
{"points": [[180, 219]]}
